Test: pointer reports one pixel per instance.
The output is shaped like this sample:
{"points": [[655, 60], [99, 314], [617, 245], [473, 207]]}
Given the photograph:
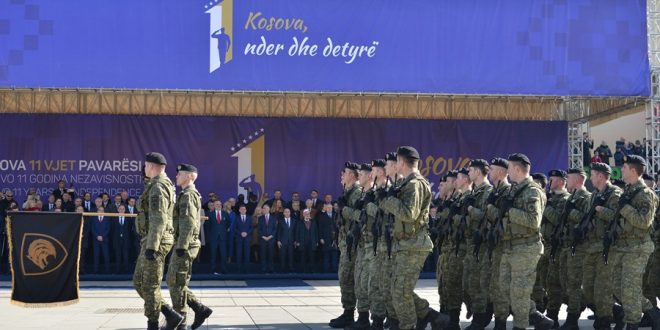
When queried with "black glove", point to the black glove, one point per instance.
{"points": [[369, 197], [359, 204], [623, 200], [492, 198], [455, 208], [381, 194], [600, 201], [507, 203], [392, 192], [570, 206], [180, 252], [150, 254]]}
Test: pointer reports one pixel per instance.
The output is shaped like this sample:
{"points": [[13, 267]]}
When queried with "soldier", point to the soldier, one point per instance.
{"points": [[571, 259], [548, 269], [522, 246], [363, 254], [500, 305], [346, 266], [596, 275], [186, 247], [632, 248], [450, 195], [651, 284], [155, 227], [474, 264], [409, 203]]}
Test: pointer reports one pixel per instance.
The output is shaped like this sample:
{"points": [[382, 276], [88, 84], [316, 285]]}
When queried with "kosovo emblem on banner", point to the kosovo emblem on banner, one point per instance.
{"points": [[44, 250]]}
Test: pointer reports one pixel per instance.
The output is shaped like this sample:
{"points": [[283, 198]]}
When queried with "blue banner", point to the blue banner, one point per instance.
{"points": [[544, 47]]}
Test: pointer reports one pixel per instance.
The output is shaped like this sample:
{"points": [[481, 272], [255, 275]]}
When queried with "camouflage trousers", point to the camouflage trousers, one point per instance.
{"points": [[452, 278], [346, 276], [499, 298], [548, 283], [384, 280], [628, 262], [440, 275], [408, 306], [517, 274], [651, 283], [573, 278], [363, 264], [376, 296], [597, 281], [178, 277], [147, 278], [476, 278]]}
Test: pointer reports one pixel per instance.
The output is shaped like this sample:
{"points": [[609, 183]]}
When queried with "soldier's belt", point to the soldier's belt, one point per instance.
{"points": [[521, 240]]}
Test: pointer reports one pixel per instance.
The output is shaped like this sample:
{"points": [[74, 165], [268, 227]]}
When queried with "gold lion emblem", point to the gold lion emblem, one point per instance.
{"points": [[39, 251]]}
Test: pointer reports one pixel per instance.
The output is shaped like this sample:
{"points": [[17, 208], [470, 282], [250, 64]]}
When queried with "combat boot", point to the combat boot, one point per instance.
{"points": [[477, 322], [362, 322], [152, 325], [632, 326], [454, 319], [183, 325], [540, 321], [619, 315], [571, 322], [201, 313], [602, 323], [553, 314], [377, 323], [344, 320], [437, 320], [489, 315], [654, 317], [172, 318], [394, 324], [500, 324]]}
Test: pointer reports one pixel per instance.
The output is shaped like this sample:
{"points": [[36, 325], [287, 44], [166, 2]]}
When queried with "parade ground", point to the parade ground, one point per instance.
{"points": [[257, 304]]}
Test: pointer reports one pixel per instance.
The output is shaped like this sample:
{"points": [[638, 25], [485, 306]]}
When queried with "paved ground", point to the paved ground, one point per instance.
{"points": [[278, 304]]}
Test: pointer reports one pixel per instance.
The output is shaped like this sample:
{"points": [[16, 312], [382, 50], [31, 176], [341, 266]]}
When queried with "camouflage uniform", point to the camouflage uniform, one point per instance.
{"points": [[346, 266], [651, 284], [154, 225], [377, 298], [412, 245], [573, 268], [596, 275], [522, 248], [444, 248], [633, 248], [548, 284], [497, 296], [186, 237], [453, 272]]}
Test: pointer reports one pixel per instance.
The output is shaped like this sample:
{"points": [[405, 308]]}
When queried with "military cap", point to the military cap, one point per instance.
{"points": [[443, 178], [540, 177], [351, 166], [156, 158], [186, 168], [521, 158], [390, 156], [479, 163], [601, 167], [452, 174], [463, 170], [577, 170], [647, 177], [501, 162], [634, 159], [557, 173], [378, 163], [365, 167], [408, 152]]}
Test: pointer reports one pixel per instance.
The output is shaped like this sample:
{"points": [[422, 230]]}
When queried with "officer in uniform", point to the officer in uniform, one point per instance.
{"points": [[346, 271], [409, 203], [448, 194], [186, 247], [571, 261], [631, 251], [473, 263], [155, 227], [499, 177], [522, 245]]}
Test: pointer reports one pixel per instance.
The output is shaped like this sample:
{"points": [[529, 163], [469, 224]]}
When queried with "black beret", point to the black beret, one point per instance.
{"points": [[601, 167], [577, 170], [521, 158], [443, 178], [156, 158], [452, 174], [365, 167], [186, 168], [646, 176], [634, 159], [479, 163], [540, 177], [501, 162], [390, 156], [464, 170], [351, 166], [408, 152], [557, 173], [378, 163]]}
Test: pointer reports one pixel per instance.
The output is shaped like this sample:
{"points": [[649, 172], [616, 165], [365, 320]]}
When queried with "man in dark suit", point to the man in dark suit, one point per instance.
{"points": [[131, 208], [105, 198], [317, 204], [285, 239], [67, 203], [276, 196], [267, 233], [101, 236], [122, 238], [295, 197], [243, 231], [114, 207], [88, 203], [49, 206], [60, 190], [306, 241], [326, 226], [217, 228], [84, 240]]}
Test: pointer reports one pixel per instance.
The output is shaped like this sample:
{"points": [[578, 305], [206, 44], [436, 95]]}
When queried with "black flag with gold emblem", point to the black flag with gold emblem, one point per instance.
{"points": [[44, 250]]}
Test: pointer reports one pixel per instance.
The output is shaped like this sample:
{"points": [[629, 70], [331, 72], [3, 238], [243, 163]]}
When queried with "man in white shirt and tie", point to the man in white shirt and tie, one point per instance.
{"points": [[243, 232], [285, 239], [100, 236]]}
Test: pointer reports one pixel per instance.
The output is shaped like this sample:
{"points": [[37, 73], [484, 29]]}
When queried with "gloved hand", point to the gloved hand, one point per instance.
{"points": [[180, 252], [507, 203], [150, 254], [392, 192], [623, 200], [570, 206], [359, 204]]}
